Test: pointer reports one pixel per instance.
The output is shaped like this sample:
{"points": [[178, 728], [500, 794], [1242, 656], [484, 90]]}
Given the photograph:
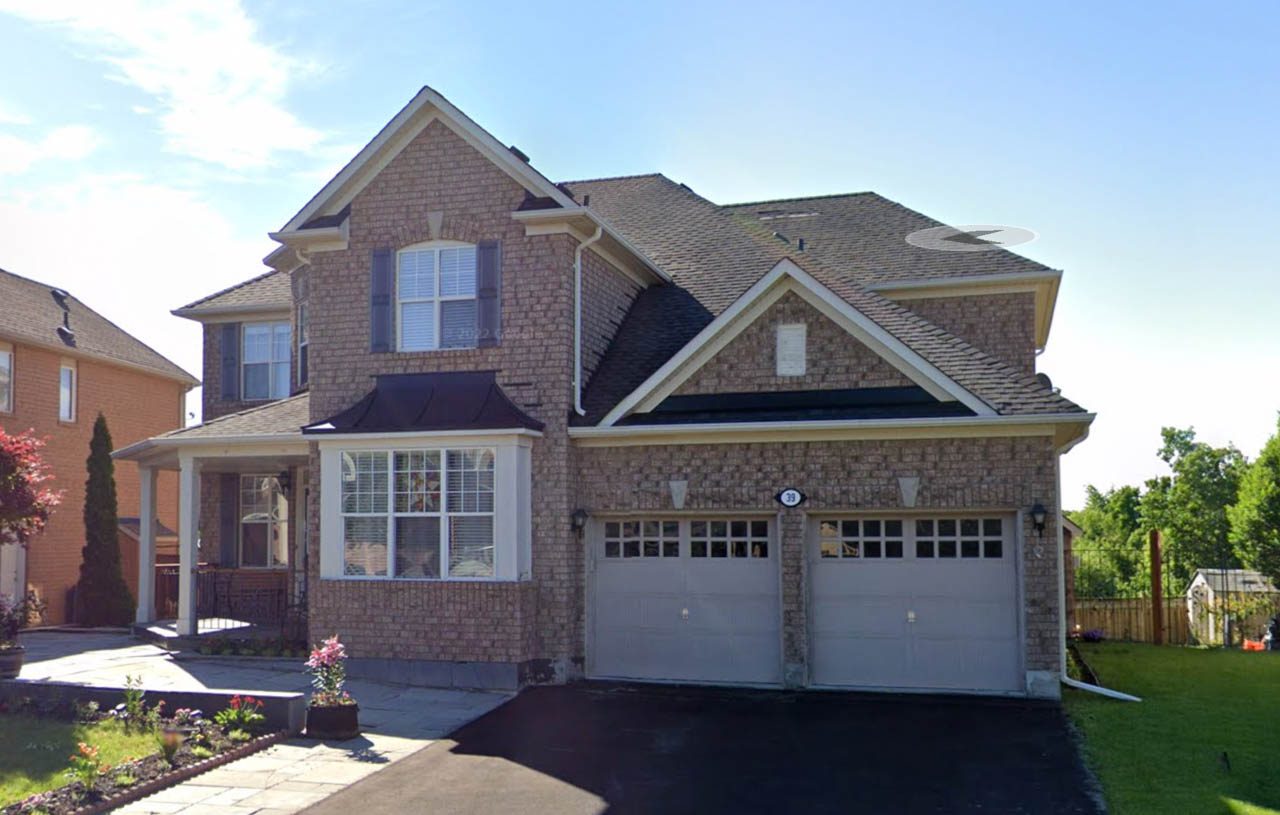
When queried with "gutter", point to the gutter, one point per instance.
{"points": [[577, 319]]}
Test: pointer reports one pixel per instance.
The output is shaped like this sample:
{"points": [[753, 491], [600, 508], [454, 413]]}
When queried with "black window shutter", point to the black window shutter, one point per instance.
{"points": [[228, 525], [488, 293], [382, 323], [302, 364], [231, 361]]}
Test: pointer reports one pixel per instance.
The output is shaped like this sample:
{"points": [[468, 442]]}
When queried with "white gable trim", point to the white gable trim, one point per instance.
{"points": [[785, 277], [393, 138]]}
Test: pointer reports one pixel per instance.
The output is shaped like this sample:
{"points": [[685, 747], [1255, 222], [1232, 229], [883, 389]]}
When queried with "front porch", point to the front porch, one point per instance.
{"points": [[242, 528]]}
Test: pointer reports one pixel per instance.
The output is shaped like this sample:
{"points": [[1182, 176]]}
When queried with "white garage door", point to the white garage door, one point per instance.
{"points": [[922, 603], [685, 600]]}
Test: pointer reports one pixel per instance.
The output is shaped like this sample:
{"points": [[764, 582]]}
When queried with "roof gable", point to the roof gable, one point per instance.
{"points": [[427, 106], [787, 277], [268, 292]]}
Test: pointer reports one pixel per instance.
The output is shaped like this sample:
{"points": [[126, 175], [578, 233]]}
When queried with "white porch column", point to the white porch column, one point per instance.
{"points": [[188, 529], [146, 544]]}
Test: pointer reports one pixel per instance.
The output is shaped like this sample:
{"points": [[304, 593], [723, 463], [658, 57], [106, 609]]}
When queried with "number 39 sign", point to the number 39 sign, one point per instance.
{"points": [[790, 497]]}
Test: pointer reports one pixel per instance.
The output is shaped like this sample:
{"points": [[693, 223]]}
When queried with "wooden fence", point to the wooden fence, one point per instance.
{"points": [[1122, 618]]}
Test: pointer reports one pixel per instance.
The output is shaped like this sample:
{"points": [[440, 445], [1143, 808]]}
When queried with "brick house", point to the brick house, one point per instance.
{"points": [[61, 364], [535, 431]]}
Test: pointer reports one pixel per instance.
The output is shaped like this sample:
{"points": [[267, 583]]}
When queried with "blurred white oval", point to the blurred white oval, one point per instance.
{"points": [[970, 237]]}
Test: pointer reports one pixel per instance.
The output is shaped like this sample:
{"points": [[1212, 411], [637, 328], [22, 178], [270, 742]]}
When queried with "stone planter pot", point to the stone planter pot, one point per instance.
{"points": [[337, 722], [11, 661]]}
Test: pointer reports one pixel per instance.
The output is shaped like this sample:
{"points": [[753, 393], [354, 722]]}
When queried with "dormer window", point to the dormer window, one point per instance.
{"points": [[436, 296]]}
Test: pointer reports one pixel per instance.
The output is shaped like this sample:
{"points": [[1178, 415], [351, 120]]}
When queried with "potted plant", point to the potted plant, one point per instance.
{"points": [[25, 504], [14, 616], [332, 714]]}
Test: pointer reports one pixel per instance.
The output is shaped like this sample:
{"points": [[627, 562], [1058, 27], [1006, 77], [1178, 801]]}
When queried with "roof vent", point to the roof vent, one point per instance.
{"points": [[1046, 382], [67, 335], [800, 244], [782, 237], [586, 200], [60, 297], [518, 153]]}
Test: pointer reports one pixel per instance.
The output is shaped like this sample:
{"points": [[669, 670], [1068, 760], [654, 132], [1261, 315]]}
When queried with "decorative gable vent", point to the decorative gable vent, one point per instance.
{"points": [[790, 354]]}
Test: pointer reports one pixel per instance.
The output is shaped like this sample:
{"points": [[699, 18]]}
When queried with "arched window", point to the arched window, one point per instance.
{"points": [[436, 296]]}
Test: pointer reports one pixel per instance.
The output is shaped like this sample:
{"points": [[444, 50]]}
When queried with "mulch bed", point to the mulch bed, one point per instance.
{"points": [[146, 776]]}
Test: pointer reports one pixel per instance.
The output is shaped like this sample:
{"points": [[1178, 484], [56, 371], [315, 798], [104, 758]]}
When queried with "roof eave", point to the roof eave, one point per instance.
{"points": [[583, 221], [182, 376]]}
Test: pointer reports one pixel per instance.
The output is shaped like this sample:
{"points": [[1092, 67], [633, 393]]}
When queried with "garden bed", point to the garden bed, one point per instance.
{"points": [[101, 754]]}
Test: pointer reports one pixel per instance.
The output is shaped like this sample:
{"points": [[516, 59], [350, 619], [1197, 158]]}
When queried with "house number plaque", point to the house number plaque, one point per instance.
{"points": [[790, 497]]}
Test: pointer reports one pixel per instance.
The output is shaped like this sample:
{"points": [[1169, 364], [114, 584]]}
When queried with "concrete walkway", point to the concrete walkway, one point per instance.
{"points": [[397, 720]]}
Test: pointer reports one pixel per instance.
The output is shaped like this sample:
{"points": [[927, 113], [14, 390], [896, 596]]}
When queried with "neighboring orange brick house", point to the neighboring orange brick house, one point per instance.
{"points": [[497, 430], [61, 363]]}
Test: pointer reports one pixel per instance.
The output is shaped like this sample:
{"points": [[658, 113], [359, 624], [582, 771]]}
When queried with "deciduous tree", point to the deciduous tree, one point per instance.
{"points": [[1255, 518]]}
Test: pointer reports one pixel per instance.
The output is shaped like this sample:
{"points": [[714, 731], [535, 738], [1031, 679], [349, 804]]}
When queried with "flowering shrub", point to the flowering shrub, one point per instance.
{"points": [[244, 714], [187, 717], [329, 674], [85, 765], [24, 502]]}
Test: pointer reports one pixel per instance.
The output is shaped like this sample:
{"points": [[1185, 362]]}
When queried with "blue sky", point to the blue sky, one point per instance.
{"points": [[145, 151]]}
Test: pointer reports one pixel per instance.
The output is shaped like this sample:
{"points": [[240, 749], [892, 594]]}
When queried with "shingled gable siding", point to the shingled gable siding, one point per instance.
{"points": [[955, 474], [1002, 325], [476, 621], [834, 358]]}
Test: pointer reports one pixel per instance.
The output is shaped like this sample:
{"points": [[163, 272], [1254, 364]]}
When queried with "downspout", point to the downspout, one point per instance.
{"points": [[1062, 593], [577, 320]]}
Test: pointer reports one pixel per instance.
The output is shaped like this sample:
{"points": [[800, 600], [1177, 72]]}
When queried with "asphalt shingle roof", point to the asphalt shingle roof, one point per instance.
{"points": [[714, 254], [270, 290], [279, 418], [32, 313]]}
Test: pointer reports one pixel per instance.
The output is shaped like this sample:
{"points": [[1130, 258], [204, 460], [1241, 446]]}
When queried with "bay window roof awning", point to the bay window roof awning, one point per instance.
{"points": [[432, 402]]}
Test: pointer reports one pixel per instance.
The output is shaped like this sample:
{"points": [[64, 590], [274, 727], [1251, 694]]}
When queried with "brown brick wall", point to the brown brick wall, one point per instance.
{"points": [[607, 294], [833, 358], [137, 405], [1002, 325], [438, 172], [997, 473]]}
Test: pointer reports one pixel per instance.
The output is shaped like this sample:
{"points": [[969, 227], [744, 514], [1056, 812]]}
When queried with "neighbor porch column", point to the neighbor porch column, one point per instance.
{"points": [[188, 529], [146, 545]]}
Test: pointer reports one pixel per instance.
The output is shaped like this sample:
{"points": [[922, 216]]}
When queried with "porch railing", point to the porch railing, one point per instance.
{"points": [[258, 596]]}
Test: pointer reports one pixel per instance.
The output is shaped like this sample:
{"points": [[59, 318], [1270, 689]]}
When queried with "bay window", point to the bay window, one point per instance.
{"points": [[418, 513], [436, 297]]}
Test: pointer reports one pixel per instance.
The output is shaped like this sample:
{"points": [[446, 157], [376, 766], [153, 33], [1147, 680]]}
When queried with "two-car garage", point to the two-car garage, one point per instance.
{"points": [[920, 602]]}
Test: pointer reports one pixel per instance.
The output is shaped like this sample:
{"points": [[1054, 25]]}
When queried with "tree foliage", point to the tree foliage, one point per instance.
{"points": [[1112, 552], [1255, 517], [25, 498], [102, 596]]}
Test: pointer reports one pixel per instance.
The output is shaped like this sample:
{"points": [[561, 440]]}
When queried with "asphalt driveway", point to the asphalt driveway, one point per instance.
{"points": [[595, 748]]}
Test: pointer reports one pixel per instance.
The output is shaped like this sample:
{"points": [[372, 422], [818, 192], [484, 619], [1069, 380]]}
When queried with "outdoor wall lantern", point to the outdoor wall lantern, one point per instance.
{"points": [[1038, 516], [579, 520]]}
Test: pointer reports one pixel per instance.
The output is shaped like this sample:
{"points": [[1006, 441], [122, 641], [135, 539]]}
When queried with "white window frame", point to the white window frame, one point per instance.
{"points": [[6, 364], [271, 361], [434, 248], [272, 525], [304, 342], [512, 526], [67, 391]]}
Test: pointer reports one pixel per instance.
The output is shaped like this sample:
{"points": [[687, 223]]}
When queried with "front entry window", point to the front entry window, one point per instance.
{"points": [[264, 522]]}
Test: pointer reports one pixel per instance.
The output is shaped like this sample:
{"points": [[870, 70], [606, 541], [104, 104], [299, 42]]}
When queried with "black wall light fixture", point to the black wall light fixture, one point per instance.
{"points": [[1038, 516]]}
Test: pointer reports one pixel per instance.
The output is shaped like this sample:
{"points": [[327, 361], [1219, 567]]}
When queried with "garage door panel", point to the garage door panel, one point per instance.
{"points": [[705, 610], [936, 610]]}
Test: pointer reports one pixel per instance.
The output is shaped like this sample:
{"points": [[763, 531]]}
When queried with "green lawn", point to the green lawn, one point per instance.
{"points": [[1165, 754], [34, 752]]}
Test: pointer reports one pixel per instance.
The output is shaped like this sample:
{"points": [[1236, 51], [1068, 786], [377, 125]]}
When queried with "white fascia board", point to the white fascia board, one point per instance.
{"points": [[334, 193], [751, 304], [1044, 425], [410, 436], [323, 239], [544, 219], [231, 314]]}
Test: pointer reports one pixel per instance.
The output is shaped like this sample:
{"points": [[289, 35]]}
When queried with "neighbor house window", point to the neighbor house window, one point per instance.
{"points": [[67, 392], [436, 297], [6, 379], [303, 341], [418, 513], [264, 522], [265, 361]]}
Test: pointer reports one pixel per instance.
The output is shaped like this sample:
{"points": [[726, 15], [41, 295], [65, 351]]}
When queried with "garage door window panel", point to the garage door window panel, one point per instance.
{"points": [[962, 538], [729, 539], [641, 539], [866, 539]]}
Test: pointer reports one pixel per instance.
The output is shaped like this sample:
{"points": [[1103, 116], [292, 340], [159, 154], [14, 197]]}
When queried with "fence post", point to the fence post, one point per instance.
{"points": [[1157, 591]]}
